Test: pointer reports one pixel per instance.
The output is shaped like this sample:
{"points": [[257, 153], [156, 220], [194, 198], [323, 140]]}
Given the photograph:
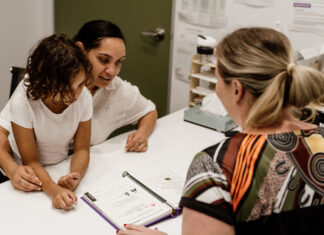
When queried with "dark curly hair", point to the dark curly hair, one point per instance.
{"points": [[50, 67]]}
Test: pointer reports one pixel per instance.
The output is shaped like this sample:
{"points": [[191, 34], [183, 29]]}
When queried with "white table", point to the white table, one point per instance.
{"points": [[172, 145]]}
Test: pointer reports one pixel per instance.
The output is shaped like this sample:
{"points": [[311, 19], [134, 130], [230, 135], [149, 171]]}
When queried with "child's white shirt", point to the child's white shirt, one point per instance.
{"points": [[53, 132]]}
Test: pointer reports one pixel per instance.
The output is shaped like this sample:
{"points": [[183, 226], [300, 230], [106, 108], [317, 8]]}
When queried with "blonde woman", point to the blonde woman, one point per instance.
{"points": [[269, 179]]}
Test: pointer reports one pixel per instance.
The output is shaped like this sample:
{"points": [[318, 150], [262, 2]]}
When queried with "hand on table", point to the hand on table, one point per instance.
{"points": [[63, 198], [25, 179], [136, 142], [139, 230], [69, 181]]}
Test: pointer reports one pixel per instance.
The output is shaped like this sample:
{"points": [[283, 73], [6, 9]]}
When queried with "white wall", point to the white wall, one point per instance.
{"points": [[239, 15], [22, 24]]}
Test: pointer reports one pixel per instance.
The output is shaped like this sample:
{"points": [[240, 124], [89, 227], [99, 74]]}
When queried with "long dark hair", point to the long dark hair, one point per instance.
{"points": [[50, 67], [92, 32]]}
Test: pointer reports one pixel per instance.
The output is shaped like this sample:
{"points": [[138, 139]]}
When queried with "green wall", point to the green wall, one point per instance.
{"points": [[147, 62]]}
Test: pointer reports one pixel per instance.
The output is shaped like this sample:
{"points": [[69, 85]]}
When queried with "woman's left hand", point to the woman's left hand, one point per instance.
{"points": [[69, 181], [139, 230], [136, 142]]}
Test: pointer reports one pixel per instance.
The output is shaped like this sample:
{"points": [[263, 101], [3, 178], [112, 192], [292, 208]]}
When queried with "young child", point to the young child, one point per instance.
{"points": [[49, 108]]}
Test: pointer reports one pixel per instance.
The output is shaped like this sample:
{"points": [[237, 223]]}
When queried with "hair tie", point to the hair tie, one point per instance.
{"points": [[288, 82], [289, 68]]}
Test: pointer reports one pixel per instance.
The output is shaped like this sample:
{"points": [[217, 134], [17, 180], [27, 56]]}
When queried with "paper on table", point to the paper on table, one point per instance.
{"points": [[167, 184], [143, 201], [127, 203]]}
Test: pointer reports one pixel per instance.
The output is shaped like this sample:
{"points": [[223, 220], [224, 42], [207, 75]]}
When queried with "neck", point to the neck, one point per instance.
{"points": [[286, 123], [54, 107], [92, 88]]}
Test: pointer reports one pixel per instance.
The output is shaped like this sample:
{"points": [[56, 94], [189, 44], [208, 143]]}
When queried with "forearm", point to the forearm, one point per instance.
{"points": [[7, 163], [48, 186], [147, 123], [207, 224], [80, 162], [62, 198], [21, 177], [80, 159]]}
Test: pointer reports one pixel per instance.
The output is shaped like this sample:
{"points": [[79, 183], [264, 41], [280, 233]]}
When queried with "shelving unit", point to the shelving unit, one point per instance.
{"points": [[201, 83]]}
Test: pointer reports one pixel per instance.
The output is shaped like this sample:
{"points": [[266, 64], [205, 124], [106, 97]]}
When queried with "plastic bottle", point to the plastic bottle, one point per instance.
{"points": [[205, 48]]}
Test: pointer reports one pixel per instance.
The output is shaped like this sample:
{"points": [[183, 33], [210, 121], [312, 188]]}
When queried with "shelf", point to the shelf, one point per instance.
{"points": [[202, 91], [210, 77], [206, 64], [202, 79]]}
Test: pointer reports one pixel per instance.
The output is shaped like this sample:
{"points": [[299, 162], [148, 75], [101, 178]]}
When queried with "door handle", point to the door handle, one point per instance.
{"points": [[157, 35]]}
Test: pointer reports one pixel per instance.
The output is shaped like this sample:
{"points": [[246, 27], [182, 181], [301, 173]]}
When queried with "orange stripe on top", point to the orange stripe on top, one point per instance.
{"points": [[244, 166]]}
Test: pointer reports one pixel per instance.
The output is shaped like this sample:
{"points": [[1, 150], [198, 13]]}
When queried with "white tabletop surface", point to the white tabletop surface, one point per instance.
{"points": [[172, 145]]}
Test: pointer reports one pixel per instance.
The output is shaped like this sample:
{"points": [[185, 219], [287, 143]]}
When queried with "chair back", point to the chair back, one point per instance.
{"points": [[17, 74]]}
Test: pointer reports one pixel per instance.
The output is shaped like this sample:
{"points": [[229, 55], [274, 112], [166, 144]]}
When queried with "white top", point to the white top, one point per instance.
{"points": [[118, 105], [34, 214], [53, 131]]}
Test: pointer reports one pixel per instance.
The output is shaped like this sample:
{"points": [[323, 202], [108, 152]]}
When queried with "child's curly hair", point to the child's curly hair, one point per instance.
{"points": [[55, 60]]}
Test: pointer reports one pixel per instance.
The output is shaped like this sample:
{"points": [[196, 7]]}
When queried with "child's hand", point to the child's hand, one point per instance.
{"points": [[69, 181], [63, 198]]}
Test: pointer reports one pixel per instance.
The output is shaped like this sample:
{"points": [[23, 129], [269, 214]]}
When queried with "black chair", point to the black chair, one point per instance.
{"points": [[319, 117], [3, 178], [17, 74]]}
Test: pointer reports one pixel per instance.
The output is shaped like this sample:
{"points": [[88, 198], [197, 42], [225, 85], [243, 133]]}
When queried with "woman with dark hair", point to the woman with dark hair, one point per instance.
{"points": [[49, 108], [116, 102]]}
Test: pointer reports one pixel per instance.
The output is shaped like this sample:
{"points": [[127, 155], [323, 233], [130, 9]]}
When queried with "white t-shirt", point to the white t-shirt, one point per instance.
{"points": [[118, 105], [53, 132]]}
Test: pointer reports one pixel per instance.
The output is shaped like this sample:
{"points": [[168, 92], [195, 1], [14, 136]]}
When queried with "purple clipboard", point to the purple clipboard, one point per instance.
{"points": [[175, 214], [99, 212]]}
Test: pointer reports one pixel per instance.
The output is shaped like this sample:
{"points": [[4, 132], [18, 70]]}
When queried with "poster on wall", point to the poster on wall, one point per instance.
{"points": [[194, 17], [206, 13], [307, 16], [257, 3]]}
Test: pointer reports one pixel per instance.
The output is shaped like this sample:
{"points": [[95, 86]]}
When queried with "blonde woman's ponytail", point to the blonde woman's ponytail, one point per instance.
{"points": [[263, 61], [269, 105]]}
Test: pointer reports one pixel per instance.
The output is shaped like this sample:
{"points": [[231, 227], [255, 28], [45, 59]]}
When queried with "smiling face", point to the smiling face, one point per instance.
{"points": [[106, 61]]}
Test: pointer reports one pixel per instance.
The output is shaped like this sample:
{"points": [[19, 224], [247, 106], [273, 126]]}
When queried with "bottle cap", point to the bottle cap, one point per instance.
{"points": [[205, 45]]}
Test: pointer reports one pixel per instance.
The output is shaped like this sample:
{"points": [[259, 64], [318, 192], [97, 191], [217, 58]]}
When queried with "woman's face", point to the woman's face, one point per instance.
{"points": [[223, 92], [234, 98], [106, 61]]}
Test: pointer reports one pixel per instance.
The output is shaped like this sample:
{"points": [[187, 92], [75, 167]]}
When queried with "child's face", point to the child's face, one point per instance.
{"points": [[77, 83]]}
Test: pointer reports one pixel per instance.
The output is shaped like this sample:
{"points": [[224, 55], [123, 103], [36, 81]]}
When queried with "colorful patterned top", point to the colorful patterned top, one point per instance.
{"points": [[272, 184]]}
